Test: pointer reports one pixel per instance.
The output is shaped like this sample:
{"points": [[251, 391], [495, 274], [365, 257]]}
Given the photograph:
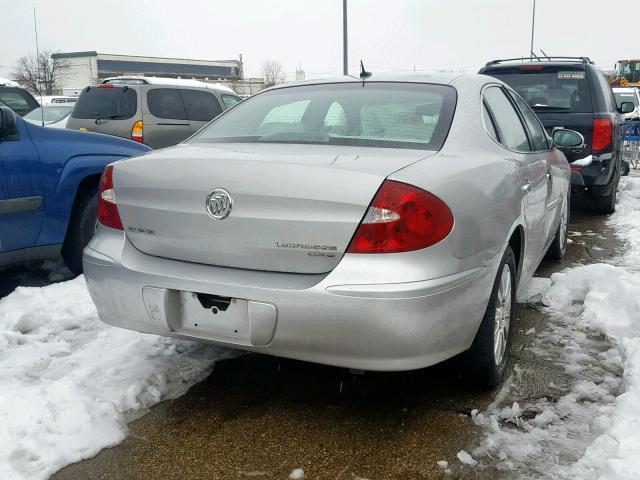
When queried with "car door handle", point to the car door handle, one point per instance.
{"points": [[526, 187]]}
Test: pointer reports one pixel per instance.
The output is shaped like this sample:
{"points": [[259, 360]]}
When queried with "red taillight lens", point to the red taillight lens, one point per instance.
{"points": [[602, 128], [105, 85], [108, 214], [531, 67], [401, 218]]}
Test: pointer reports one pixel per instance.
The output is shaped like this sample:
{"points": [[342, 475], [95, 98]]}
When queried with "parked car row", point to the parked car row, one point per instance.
{"points": [[381, 223]]}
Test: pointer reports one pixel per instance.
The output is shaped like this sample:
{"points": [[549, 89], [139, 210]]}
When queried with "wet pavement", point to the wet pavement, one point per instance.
{"points": [[260, 417]]}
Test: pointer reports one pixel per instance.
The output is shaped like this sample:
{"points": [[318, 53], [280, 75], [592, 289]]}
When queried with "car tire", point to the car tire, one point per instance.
{"points": [[486, 360], [81, 229], [625, 168], [606, 204], [559, 245]]}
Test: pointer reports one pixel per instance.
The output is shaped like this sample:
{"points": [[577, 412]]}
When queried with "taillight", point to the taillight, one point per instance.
{"points": [[105, 85], [401, 218], [602, 133], [137, 132], [108, 214]]}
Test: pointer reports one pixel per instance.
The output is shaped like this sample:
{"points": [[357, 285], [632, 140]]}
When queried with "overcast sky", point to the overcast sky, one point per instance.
{"points": [[387, 34]]}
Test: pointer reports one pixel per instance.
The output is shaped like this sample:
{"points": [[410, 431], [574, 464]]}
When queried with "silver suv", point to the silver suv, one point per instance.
{"points": [[156, 111]]}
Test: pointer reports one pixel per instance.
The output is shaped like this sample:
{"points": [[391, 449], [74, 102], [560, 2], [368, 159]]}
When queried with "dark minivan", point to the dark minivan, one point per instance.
{"points": [[573, 93]]}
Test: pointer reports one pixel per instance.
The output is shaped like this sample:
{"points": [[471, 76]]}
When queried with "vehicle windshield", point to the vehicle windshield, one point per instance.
{"points": [[548, 89], [49, 114], [106, 102], [378, 114], [629, 96]]}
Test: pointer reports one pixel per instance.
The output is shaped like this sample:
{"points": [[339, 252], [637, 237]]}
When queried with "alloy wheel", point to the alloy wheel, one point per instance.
{"points": [[502, 315]]}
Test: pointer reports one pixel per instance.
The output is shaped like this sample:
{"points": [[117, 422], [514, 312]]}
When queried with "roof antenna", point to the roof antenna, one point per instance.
{"points": [[39, 75], [363, 73], [545, 54]]}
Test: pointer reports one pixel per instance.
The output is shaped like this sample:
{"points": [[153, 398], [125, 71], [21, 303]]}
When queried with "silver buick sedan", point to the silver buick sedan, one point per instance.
{"points": [[383, 224]]}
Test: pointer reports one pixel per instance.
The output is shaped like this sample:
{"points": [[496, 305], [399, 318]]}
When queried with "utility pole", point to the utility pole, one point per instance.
{"points": [[345, 59], [533, 28]]}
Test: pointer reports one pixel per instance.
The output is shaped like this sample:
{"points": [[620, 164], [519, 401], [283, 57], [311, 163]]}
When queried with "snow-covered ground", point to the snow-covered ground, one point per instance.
{"points": [[591, 431], [69, 384]]}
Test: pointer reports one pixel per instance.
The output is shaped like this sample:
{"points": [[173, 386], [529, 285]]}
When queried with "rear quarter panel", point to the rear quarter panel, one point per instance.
{"points": [[476, 178]]}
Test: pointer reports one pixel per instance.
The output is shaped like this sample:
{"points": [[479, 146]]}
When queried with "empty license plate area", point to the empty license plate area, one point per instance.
{"points": [[214, 316]]}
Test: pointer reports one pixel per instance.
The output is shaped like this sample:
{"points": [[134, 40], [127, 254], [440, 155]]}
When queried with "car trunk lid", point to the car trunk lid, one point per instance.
{"points": [[295, 207]]}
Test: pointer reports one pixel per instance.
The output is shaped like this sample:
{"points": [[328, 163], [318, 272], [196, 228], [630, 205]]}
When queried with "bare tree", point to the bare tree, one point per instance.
{"points": [[40, 74], [273, 73]]}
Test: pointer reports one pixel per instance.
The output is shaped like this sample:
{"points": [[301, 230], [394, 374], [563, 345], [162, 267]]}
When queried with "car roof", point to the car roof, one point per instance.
{"points": [[178, 82], [550, 61], [434, 78]]}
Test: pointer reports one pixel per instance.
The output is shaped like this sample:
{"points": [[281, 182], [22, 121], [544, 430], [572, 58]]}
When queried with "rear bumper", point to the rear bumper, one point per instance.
{"points": [[318, 318], [598, 173]]}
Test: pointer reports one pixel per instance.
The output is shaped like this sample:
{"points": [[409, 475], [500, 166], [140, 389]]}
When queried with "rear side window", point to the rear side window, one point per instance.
{"points": [[200, 106], [166, 103], [548, 89], [536, 130], [230, 100], [18, 100], [512, 132], [607, 92], [487, 121], [117, 103]]}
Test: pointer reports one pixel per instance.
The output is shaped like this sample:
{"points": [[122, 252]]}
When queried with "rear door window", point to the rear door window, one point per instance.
{"points": [[536, 130], [512, 132], [200, 106], [166, 103], [548, 88], [117, 103]]}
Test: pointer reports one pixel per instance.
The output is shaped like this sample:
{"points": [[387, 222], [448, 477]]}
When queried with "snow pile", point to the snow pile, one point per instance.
{"points": [[296, 474], [70, 383], [593, 422]]}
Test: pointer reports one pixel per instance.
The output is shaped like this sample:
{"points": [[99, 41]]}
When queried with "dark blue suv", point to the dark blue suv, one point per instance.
{"points": [[571, 92], [48, 188]]}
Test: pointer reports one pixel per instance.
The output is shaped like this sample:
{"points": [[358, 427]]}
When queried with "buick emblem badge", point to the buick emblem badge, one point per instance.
{"points": [[219, 204]]}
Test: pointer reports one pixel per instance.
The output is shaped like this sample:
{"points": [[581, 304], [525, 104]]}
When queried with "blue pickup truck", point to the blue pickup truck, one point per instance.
{"points": [[48, 188]]}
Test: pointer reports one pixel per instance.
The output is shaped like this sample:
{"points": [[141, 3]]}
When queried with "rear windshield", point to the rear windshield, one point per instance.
{"points": [[626, 97], [18, 100], [548, 89], [114, 103], [378, 114]]}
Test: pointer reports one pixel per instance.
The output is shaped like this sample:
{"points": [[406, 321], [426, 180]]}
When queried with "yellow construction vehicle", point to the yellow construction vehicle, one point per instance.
{"points": [[627, 73]]}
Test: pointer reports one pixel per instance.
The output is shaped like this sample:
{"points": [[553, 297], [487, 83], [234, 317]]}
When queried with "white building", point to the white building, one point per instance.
{"points": [[90, 68]]}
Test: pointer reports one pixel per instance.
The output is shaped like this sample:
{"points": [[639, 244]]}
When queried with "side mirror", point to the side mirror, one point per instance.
{"points": [[8, 128], [567, 138], [626, 107]]}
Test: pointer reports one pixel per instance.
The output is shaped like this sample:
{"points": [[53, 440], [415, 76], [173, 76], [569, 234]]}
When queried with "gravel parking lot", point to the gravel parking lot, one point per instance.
{"points": [[262, 417]]}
